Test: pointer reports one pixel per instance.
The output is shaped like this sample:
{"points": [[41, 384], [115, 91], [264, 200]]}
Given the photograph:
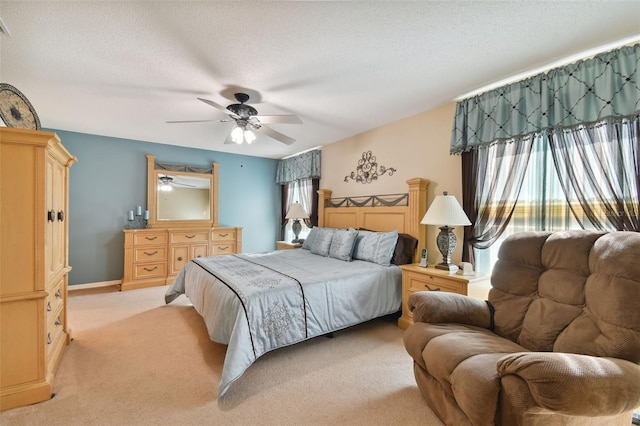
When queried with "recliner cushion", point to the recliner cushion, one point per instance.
{"points": [[610, 322], [464, 361]]}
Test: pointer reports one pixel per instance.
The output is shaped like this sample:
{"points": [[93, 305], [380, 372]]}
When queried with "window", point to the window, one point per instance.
{"points": [[302, 192], [590, 183]]}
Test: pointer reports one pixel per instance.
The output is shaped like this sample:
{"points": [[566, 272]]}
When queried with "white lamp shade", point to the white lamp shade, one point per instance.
{"points": [[445, 210], [296, 212]]}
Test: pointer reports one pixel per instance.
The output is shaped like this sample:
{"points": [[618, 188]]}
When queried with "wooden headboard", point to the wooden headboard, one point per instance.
{"points": [[379, 212]]}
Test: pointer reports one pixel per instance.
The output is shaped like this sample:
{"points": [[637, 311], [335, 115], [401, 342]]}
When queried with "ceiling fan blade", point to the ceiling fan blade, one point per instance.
{"points": [[190, 121], [281, 119], [228, 140], [218, 106], [275, 135]]}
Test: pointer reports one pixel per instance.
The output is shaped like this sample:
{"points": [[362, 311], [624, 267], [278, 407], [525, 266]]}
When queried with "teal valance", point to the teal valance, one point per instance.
{"points": [[606, 86], [303, 166]]}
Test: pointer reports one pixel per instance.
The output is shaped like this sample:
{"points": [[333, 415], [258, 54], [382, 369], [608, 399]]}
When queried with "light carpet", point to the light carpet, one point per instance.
{"points": [[136, 361]]}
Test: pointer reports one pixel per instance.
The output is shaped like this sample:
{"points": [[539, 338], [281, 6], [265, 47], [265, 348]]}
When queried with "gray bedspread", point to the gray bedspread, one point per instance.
{"points": [[255, 303]]}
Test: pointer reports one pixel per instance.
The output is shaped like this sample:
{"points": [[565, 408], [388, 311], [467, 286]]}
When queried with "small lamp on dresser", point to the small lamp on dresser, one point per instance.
{"points": [[444, 211], [296, 212]]}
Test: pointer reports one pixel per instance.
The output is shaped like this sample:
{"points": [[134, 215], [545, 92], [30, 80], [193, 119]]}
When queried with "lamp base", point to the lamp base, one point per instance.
{"points": [[296, 227], [446, 242], [451, 267]]}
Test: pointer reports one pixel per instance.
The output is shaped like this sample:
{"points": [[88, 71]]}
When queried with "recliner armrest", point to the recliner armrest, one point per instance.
{"points": [[576, 384], [445, 307]]}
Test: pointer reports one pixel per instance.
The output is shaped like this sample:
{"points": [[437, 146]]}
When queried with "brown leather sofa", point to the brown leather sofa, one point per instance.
{"points": [[557, 343]]}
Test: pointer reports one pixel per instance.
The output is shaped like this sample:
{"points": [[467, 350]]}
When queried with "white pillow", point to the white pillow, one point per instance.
{"points": [[376, 247], [342, 244]]}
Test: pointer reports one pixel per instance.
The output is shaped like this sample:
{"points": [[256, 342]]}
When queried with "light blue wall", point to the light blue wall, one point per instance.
{"points": [[110, 178]]}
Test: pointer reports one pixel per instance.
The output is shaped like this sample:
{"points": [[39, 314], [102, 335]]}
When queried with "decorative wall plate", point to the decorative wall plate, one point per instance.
{"points": [[16, 110]]}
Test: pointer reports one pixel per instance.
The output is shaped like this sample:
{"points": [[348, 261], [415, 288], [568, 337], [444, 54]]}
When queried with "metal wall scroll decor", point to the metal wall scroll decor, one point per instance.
{"points": [[368, 169]]}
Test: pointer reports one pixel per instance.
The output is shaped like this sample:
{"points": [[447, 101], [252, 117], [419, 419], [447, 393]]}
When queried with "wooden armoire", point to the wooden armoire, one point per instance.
{"points": [[34, 187]]}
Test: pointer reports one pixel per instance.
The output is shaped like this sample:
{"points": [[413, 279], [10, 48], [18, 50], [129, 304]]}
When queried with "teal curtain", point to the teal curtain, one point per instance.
{"points": [[606, 86], [303, 166]]}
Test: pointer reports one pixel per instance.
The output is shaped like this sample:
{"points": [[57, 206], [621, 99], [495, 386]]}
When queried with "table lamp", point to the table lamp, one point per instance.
{"points": [[444, 211], [296, 212]]}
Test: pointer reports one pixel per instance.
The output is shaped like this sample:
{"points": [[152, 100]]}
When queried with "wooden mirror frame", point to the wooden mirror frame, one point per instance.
{"points": [[152, 196]]}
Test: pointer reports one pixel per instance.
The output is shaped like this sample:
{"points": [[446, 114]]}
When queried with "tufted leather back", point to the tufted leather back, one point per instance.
{"points": [[570, 291]]}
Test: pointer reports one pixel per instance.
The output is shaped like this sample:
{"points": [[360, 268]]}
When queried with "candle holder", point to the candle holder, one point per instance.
{"points": [[137, 219]]}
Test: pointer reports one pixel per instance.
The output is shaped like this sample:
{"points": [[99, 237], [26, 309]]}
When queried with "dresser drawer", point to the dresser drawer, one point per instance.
{"points": [[148, 254], [56, 341], [427, 282], [223, 248], [55, 298], [55, 328], [149, 238], [149, 270], [189, 237], [220, 235]]}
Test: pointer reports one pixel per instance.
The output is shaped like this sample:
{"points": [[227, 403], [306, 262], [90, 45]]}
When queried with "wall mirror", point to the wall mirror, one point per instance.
{"points": [[181, 195]]}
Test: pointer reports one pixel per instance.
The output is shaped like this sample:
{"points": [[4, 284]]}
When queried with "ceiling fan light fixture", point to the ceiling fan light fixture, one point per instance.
{"points": [[249, 136], [237, 134]]}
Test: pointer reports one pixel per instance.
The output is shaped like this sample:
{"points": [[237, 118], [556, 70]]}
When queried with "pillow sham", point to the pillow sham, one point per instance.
{"points": [[376, 247], [405, 249], [322, 241], [310, 237], [342, 244]]}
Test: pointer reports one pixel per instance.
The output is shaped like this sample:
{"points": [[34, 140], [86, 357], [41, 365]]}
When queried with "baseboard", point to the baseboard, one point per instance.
{"points": [[94, 285]]}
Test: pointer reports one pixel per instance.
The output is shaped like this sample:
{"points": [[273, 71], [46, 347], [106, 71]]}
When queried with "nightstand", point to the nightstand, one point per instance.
{"points": [[286, 245], [416, 278]]}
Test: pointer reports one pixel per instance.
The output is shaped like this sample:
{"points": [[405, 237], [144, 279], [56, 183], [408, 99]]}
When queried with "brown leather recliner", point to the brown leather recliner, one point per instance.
{"points": [[558, 341]]}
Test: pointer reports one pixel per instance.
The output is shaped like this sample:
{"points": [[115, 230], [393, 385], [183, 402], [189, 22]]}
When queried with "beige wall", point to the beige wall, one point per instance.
{"points": [[417, 147]]}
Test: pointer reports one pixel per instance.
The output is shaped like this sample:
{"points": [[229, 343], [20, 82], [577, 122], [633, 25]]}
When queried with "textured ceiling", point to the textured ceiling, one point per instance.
{"points": [[123, 69]]}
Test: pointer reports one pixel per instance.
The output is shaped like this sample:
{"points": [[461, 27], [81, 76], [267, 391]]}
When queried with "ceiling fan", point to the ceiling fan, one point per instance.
{"points": [[247, 119], [166, 182]]}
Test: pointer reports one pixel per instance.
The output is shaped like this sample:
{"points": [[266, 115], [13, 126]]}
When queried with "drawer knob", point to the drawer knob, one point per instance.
{"points": [[58, 322], [150, 254], [224, 248], [48, 338], [432, 289], [224, 235], [150, 238], [189, 236], [51, 215], [58, 294], [180, 258], [48, 306], [151, 269], [61, 216]]}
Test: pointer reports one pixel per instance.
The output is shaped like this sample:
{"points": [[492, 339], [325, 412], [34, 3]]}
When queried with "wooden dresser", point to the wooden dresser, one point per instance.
{"points": [[34, 182], [416, 278], [153, 257]]}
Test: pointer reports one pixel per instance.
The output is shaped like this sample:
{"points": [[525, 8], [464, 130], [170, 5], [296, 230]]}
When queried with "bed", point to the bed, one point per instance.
{"points": [[344, 275]]}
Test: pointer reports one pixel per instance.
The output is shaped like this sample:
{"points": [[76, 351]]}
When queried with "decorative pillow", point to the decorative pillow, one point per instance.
{"points": [[310, 237], [376, 247], [322, 241], [342, 244], [405, 249]]}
